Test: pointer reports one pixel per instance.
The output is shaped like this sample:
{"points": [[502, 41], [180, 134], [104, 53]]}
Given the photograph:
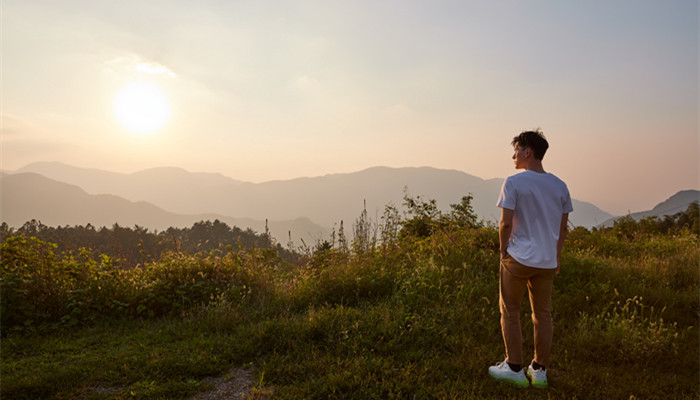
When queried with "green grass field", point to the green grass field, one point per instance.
{"points": [[414, 317]]}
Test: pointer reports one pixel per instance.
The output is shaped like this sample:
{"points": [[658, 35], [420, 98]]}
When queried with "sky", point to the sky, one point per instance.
{"points": [[270, 90]]}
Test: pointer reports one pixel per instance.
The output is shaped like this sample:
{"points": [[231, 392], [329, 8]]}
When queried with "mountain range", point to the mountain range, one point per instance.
{"points": [[26, 196], [60, 194]]}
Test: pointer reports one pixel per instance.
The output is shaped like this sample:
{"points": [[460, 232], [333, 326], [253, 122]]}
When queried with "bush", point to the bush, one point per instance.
{"points": [[43, 290]]}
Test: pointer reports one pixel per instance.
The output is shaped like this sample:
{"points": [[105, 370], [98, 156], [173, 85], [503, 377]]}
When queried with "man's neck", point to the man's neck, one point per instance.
{"points": [[535, 166]]}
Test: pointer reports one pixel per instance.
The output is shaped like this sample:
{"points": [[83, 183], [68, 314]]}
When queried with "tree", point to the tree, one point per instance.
{"points": [[463, 214], [424, 217]]}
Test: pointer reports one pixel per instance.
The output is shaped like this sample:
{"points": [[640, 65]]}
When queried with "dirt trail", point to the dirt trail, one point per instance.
{"points": [[235, 384]]}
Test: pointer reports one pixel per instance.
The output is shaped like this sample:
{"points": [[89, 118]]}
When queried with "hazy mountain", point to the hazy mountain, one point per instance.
{"points": [[172, 188], [326, 200], [331, 198], [27, 196], [673, 205]]}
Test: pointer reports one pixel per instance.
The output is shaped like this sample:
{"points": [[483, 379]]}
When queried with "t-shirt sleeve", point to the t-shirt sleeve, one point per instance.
{"points": [[566, 205], [506, 199]]}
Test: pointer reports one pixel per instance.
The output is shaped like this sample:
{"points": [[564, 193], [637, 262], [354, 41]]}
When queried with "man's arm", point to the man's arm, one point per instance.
{"points": [[505, 227], [562, 236]]}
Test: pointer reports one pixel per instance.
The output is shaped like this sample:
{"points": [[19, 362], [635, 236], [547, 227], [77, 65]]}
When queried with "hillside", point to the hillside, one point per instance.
{"points": [[326, 200], [416, 318], [27, 196], [674, 204]]}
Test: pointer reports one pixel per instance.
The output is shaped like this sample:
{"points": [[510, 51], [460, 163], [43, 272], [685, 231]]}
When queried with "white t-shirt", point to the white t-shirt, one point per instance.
{"points": [[539, 200]]}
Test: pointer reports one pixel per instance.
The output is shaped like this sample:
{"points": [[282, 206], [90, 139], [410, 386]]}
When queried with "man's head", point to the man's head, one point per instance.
{"points": [[533, 141]]}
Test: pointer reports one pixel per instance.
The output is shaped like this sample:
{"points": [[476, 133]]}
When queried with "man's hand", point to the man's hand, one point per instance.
{"points": [[505, 227], [562, 237]]}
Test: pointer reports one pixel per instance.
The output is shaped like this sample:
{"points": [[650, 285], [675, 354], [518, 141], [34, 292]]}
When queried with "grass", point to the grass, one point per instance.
{"points": [[417, 320]]}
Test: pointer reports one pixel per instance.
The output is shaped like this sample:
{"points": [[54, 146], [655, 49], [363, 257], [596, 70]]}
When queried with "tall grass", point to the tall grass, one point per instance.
{"points": [[411, 317]]}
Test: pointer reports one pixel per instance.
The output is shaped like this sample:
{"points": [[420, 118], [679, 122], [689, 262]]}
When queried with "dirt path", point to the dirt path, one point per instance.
{"points": [[235, 384]]}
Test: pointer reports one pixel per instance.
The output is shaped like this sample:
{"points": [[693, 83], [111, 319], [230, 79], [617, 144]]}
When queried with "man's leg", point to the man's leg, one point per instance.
{"points": [[540, 288], [512, 289]]}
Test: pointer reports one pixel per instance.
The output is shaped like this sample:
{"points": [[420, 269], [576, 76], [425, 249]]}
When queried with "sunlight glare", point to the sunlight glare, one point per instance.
{"points": [[141, 107]]}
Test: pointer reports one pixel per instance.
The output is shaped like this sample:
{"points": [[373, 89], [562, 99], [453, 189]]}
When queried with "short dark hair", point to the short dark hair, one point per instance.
{"points": [[534, 140]]}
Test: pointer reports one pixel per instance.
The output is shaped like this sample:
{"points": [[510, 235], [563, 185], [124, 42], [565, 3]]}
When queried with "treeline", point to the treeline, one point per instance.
{"points": [[129, 247], [670, 224]]}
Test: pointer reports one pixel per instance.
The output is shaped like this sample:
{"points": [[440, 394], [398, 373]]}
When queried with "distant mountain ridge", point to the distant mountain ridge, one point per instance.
{"points": [[326, 200], [27, 196], [673, 205], [154, 185]]}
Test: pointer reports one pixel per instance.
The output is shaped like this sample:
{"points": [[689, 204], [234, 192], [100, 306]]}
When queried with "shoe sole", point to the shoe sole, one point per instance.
{"points": [[511, 381], [538, 385]]}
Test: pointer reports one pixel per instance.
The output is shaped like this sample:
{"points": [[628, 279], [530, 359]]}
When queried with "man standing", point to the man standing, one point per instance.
{"points": [[535, 207]]}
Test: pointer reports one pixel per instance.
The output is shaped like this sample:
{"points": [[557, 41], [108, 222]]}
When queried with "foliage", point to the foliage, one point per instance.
{"points": [[424, 217], [42, 290], [128, 247], [405, 314], [688, 220]]}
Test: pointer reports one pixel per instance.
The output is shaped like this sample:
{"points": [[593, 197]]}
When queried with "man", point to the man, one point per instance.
{"points": [[535, 207]]}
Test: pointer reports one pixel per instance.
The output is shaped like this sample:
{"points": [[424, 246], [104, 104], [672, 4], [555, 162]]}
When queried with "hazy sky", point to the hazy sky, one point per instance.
{"points": [[266, 90]]}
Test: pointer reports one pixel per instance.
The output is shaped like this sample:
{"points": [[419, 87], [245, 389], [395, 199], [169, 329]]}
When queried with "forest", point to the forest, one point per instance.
{"points": [[129, 247]]}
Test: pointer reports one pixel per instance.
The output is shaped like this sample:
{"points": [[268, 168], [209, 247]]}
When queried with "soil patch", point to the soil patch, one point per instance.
{"points": [[235, 384]]}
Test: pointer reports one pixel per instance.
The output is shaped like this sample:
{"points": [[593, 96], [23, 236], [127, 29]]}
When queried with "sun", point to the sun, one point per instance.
{"points": [[141, 107]]}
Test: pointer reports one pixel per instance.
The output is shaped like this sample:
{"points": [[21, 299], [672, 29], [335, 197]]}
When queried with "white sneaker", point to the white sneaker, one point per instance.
{"points": [[502, 372], [538, 377]]}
